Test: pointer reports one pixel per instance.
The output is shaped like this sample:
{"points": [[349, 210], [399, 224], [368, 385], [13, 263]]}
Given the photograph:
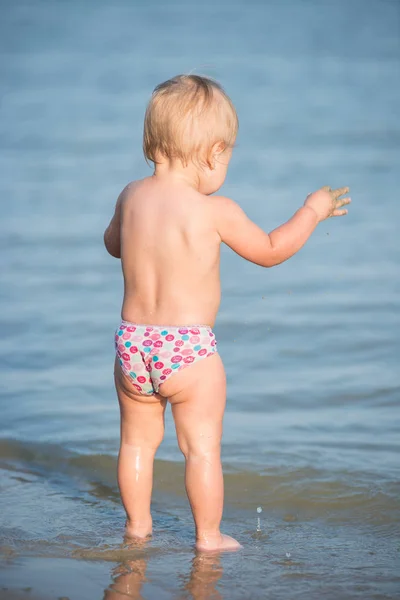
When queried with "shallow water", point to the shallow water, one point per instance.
{"points": [[311, 347]]}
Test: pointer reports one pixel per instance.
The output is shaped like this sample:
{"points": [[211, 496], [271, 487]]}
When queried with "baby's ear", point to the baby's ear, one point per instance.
{"points": [[218, 148], [215, 151]]}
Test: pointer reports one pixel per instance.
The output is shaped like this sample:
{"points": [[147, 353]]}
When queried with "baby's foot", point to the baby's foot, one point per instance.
{"points": [[220, 543], [138, 531]]}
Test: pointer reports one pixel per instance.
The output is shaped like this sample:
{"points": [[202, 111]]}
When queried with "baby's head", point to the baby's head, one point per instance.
{"points": [[191, 121]]}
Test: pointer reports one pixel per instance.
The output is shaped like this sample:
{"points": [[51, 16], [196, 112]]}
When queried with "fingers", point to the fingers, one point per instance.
{"points": [[343, 202], [340, 192], [339, 212]]}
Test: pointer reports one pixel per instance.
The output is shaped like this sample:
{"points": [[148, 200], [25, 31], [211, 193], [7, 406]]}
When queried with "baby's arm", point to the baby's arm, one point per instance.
{"points": [[112, 235], [252, 243]]}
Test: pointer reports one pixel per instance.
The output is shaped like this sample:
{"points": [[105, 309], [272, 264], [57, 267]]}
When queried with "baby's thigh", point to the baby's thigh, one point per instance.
{"points": [[142, 416], [198, 397]]}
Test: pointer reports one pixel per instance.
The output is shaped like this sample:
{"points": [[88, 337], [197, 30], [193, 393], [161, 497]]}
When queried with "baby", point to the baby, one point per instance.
{"points": [[167, 229]]}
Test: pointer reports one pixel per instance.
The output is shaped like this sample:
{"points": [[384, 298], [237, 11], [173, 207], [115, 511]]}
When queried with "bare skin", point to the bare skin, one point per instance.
{"points": [[167, 230]]}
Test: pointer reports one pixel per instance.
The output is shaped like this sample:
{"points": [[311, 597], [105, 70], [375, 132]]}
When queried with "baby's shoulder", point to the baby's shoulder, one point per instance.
{"points": [[222, 201], [131, 190], [222, 205], [133, 186]]}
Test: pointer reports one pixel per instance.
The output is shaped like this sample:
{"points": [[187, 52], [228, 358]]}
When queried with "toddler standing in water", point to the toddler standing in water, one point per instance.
{"points": [[167, 229]]}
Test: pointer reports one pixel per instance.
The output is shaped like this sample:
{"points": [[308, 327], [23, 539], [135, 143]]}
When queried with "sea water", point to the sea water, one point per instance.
{"points": [[311, 347]]}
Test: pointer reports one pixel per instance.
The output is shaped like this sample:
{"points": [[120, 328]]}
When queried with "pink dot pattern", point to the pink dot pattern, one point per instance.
{"points": [[150, 354]]}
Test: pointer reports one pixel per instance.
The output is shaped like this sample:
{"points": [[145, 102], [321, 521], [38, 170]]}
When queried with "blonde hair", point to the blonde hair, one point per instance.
{"points": [[185, 117]]}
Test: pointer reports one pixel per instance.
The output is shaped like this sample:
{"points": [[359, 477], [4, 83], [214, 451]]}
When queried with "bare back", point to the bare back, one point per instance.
{"points": [[170, 254]]}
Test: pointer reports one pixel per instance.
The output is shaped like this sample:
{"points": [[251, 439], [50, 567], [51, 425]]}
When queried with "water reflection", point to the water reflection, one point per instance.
{"points": [[205, 573], [128, 578], [130, 575]]}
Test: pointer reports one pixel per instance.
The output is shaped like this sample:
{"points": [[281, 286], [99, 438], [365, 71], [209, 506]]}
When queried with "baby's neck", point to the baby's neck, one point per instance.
{"points": [[175, 172]]}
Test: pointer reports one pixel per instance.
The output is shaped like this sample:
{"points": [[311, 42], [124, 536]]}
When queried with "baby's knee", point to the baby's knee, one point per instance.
{"points": [[204, 448], [143, 439]]}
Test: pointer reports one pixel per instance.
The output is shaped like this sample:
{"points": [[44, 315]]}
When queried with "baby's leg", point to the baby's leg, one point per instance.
{"points": [[198, 396], [142, 430]]}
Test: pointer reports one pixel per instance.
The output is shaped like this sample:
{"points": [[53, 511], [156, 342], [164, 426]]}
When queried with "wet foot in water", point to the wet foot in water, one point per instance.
{"points": [[218, 543], [139, 531]]}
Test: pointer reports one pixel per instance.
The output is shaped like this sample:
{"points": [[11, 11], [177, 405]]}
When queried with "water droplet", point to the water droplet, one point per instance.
{"points": [[259, 509]]}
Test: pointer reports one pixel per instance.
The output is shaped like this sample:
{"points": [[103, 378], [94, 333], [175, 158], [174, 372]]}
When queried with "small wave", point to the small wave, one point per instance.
{"points": [[295, 493]]}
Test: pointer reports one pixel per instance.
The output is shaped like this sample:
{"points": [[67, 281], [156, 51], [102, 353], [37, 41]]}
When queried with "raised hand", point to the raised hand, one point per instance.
{"points": [[327, 202]]}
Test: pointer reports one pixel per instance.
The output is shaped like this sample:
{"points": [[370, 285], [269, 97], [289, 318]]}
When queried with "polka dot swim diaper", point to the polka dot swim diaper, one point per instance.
{"points": [[150, 354]]}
